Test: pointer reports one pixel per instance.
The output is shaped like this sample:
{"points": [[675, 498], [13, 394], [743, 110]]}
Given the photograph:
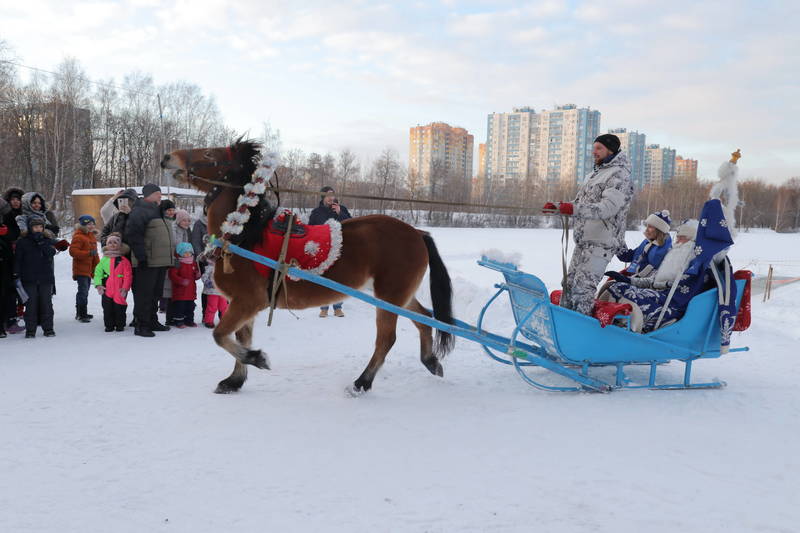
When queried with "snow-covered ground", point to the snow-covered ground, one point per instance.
{"points": [[110, 432]]}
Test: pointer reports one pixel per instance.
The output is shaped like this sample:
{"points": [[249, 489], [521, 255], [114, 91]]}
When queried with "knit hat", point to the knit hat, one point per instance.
{"points": [[688, 228], [184, 247], [610, 141], [149, 189], [85, 220], [659, 220], [181, 214], [326, 189], [130, 194], [35, 220], [167, 204]]}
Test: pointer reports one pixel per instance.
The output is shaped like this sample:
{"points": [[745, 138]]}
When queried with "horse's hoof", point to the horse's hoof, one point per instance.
{"points": [[434, 366], [226, 387], [257, 358], [353, 391]]}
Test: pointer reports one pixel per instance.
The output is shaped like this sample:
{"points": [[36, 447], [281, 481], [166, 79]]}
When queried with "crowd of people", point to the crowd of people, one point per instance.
{"points": [[147, 247]]}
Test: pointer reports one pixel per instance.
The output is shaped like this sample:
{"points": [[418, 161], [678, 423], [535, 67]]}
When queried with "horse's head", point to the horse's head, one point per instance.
{"points": [[206, 168]]}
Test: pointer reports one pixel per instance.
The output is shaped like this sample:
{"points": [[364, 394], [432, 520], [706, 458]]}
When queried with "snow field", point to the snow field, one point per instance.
{"points": [[111, 432]]}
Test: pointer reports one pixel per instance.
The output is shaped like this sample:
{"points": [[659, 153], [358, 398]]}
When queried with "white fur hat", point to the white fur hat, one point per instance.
{"points": [[688, 228], [659, 220]]}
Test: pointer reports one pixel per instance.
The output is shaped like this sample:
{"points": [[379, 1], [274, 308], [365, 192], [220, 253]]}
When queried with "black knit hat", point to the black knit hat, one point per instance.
{"points": [[167, 204], [326, 188], [149, 189], [610, 141]]}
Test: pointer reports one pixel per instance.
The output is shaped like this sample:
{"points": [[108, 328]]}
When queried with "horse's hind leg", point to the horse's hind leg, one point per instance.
{"points": [[236, 317], [426, 354], [387, 326], [237, 378]]}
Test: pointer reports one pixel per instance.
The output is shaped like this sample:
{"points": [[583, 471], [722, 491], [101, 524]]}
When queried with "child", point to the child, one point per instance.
{"points": [[83, 250], [33, 265], [215, 301], [113, 277], [184, 286]]}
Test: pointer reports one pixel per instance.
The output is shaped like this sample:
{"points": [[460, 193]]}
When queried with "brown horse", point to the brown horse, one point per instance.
{"points": [[377, 248]]}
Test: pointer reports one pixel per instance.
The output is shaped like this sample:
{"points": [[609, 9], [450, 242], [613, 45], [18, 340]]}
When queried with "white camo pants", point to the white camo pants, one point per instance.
{"points": [[586, 269]]}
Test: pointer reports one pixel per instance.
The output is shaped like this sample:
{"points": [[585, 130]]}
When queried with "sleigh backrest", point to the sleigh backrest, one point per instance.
{"points": [[530, 303]]}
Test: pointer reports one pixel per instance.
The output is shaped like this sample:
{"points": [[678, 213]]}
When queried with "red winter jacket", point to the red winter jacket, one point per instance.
{"points": [[188, 272]]}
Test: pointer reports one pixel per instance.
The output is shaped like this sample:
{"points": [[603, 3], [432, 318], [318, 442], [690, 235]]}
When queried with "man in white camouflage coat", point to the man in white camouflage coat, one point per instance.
{"points": [[599, 214]]}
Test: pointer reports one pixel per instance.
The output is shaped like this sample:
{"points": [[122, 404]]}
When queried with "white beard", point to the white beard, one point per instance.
{"points": [[675, 262]]}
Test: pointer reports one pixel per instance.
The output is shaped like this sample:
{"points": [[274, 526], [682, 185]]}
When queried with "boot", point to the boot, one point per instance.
{"points": [[80, 314], [338, 312], [323, 313], [143, 332], [157, 326]]}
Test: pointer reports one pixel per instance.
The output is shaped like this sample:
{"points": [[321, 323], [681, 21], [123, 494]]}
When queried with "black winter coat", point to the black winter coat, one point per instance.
{"points": [[117, 224], [33, 259], [322, 213]]}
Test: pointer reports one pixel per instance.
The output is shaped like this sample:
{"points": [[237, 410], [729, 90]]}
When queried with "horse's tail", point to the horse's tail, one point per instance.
{"points": [[442, 297]]}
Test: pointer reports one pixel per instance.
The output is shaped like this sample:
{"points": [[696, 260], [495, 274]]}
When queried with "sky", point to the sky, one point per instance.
{"points": [[704, 77]]}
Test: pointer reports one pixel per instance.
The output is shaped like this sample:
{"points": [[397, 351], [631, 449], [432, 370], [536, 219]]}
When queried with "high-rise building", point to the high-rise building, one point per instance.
{"points": [[659, 164], [554, 145], [633, 143], [439, 145], [482, 161], [566, 134], [510, 145], [685, 169]]}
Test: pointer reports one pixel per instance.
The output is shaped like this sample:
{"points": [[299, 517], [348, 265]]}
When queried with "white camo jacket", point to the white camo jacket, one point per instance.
{"points": [[602, 203]]}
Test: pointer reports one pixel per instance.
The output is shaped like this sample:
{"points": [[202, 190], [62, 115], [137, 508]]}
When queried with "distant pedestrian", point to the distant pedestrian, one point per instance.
{"points": [[83, 250], [184, 286], [10, 305], [33, 267], [216, 302], [152, 252], [329, 208], [113, 278]]}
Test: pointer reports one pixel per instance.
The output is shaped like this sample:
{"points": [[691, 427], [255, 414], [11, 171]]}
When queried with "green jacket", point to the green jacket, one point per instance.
{"points": [[150, 236]]}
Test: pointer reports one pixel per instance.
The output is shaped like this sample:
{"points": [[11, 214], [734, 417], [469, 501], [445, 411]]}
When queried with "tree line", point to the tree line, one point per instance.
{"points": [[61, 131]]}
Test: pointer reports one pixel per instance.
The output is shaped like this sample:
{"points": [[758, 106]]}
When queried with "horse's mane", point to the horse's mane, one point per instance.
{"points": [[248, 153]]}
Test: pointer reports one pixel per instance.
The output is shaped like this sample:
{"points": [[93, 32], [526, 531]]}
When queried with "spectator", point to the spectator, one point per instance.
{"points": [[329, 208], [184, 286], [10, 303], [33, 204], [199, 234], [33, 266], [83, 250], [121, 203], [180, 233], [6, 280], [113, 277], [215, 300], [168, 209], [150, 238]]}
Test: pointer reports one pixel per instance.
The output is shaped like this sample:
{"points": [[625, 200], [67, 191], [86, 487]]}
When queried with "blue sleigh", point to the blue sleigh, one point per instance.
{"points": [[569, 343]]}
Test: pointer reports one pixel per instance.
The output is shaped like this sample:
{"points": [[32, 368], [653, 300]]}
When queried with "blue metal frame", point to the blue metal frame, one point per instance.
{"points": [[545, 352]]}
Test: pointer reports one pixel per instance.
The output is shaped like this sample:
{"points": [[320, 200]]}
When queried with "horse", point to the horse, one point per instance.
{"points": [[380, 249]]}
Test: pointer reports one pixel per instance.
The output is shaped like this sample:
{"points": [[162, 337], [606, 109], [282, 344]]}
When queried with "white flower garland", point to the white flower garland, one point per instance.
{"points": [[235, 221]]}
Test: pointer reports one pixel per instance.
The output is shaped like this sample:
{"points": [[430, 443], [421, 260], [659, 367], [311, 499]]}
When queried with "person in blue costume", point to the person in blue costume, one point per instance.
{"points": [[647, 257]]}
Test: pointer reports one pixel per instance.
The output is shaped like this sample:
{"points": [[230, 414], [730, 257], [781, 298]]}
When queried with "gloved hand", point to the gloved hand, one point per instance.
{"points": [[124, 294], [101, 290], [616, 276], [93, 252], [3, 229], [61, 245], [565, 208], [549, 208]]}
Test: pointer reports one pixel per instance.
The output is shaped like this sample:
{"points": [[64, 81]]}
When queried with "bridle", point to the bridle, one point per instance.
{"points": [[224, 169]]}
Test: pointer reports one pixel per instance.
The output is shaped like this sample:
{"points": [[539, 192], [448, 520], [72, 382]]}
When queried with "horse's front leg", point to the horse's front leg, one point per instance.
{"points": [[237, 378], [237, 317]]}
